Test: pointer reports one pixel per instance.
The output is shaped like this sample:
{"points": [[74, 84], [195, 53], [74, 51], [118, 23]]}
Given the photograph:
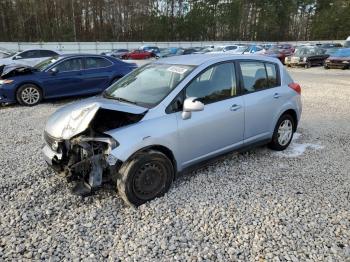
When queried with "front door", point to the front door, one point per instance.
{"points": [[67, 81], [220, 126]]}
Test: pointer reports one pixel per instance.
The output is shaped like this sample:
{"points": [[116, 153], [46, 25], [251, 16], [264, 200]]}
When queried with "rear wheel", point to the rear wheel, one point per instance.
{"points": [[29, 95], [283, 133], [146, 176]]}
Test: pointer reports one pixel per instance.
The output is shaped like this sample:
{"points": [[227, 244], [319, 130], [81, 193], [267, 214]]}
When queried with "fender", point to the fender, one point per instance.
{"points": [[286, 107], [161, 131]]}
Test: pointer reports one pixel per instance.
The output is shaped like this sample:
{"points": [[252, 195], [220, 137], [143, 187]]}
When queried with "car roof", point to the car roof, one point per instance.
{"points": [[81, 55], [198, 59]]}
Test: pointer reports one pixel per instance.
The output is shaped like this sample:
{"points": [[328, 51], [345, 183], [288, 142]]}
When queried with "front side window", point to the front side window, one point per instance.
{"points": [[96, 62], [214, 84], [148, 85], [29, 54], [232, 47], [73, 64]]}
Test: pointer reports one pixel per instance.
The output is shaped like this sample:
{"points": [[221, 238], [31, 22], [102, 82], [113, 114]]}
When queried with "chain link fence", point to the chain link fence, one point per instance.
{"points": [[99, 47]]}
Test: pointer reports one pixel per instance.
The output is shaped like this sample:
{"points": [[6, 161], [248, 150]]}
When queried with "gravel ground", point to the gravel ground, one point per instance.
{"points": [[255, 206]]}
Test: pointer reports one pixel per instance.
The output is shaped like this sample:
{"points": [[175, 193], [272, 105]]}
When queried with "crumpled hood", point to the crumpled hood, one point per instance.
{"points": [[12, 69], [75, 118]]}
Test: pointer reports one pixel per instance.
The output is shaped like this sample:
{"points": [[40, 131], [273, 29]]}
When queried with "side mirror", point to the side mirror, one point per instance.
{"points": [[16, 57], [191, 104], [53, 71]]}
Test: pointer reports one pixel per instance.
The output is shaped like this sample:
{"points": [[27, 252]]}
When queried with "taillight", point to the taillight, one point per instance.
{"points": [[296, 87]]}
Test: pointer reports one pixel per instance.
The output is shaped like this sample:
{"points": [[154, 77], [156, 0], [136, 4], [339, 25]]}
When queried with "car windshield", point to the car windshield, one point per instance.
{"points": [[6, 55], [305, 51], [148, 85], [46, 63], [342, 53]]}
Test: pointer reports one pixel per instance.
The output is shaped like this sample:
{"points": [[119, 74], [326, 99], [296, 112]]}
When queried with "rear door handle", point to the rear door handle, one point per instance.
{"points": [[235, 107], [276, 95]]}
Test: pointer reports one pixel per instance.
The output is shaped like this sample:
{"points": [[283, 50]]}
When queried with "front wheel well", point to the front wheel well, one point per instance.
{"points": [[293, 114], [29, 83], [166, 151]]}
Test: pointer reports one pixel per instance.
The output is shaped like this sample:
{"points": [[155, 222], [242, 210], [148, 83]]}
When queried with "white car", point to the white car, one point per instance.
{"points": [[347, 42], [254, 49], [28, 57], [5, 53], [223, 48]]}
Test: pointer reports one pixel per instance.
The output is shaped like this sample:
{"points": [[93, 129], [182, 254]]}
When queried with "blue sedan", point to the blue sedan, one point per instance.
{"points": [[60, 76]]}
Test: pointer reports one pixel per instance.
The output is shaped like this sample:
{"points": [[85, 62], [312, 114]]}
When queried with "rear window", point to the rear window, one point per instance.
{"points": [[97, 62]]}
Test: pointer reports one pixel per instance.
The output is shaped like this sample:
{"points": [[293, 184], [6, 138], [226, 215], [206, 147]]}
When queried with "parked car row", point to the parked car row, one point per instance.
{"points": [[29, 76], [60, 76], [306, 55]]}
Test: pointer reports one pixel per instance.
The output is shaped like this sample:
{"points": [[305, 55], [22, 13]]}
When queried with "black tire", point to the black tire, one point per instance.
{"points": [[29, 95], [146, 176], [326, 67], [275, 143], [308, 64]]}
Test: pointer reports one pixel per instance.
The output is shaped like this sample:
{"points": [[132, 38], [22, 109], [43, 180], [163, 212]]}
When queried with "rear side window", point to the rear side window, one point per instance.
{"points": [[96, 62], [258, 75], [272, 77], [47, 53]]}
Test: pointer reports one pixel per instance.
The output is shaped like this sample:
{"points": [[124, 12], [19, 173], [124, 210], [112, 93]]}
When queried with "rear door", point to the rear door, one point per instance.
{"points": [[68, 80], [97, 74], [263, 96]]}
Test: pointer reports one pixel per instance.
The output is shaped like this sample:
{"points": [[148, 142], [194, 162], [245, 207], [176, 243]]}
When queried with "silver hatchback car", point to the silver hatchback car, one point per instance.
{"points": [[166, 116]]}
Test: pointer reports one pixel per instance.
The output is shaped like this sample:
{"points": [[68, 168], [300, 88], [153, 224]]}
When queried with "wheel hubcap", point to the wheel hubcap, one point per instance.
{"points": [[285, 132], [149, 181], [30, 95]]}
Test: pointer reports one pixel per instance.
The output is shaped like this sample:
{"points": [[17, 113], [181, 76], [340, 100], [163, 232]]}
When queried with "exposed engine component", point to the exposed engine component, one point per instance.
{"points": [[86, 157]]}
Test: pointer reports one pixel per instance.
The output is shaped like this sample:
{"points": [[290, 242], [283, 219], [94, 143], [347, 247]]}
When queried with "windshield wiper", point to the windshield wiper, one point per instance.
{"points": [[120, 99]]}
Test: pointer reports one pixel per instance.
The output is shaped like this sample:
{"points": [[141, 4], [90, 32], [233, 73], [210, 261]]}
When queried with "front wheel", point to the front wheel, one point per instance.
{"points": [[29, 95], [283, 133], [146, 176], [308, 64]]}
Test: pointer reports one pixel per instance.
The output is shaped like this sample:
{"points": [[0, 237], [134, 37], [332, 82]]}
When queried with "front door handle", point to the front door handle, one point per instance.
{"points": [[276, 95], [235, 107]]}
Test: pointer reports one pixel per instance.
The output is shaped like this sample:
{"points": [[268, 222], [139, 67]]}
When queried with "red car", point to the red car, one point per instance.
{"points": [[138, 54], [280, 51]]}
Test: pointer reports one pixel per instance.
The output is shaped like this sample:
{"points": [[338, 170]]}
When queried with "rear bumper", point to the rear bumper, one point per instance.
{"points": [[338, 65]]}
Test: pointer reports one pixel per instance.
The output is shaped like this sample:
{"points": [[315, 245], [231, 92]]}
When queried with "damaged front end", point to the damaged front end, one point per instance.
{"points": [[77, 145], [7, 71]]}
